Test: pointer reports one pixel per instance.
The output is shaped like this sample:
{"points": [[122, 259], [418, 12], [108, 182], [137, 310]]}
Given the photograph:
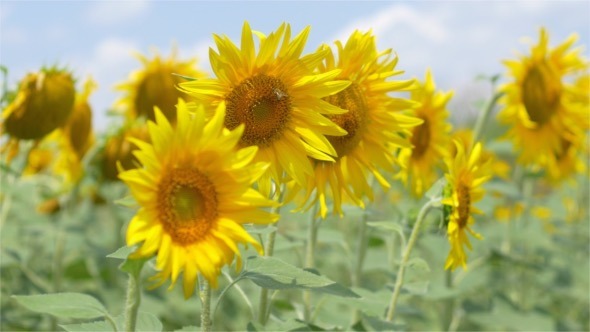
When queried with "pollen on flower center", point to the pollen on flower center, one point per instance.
{"points": [[263, 104], [541, 91], [464, 198], [354, 121], [187, 204], [421, 139]]}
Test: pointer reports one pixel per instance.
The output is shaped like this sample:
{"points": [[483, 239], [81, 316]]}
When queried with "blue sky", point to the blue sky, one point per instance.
{"points": [[456, 39]]}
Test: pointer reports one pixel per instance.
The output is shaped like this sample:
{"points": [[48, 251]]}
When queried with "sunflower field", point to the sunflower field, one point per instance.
{"points": [[298, 187]]}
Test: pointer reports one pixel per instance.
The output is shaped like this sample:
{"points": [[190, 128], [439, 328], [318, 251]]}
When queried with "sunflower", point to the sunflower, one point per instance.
{"points": [[278, 97], [466, 174], [464, 136], [429, 140], [195, 195], [538, 102], [374, 123], [155, 86], [43, 103]]}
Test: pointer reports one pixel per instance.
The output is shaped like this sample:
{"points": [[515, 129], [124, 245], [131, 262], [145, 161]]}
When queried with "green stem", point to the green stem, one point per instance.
{"points": [[133, 301], [269, 246], [482, 118], [312, 235], [360, 258], [406, 256], [205, 293]]}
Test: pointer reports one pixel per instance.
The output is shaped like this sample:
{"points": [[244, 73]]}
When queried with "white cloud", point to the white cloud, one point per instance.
{"points": [[397, 19], [114, 12]]}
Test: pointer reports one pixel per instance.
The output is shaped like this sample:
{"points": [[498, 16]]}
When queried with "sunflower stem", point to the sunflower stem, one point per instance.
{"points": [[482, 118], [205, 294], [269, 245], [360, 258], [312, 235], [132, 303], [406, 256]]}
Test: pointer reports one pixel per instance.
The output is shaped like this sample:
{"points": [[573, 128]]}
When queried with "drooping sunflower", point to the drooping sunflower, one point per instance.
{"points": [[155, 86], [194, 189], [278, 98], [538, 102], [429, 140], [466, 174], [43, 103], [375, 123]]}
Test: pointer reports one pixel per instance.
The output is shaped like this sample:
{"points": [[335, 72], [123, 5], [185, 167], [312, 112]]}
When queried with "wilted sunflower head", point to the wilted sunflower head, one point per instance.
{"points": [[43, 103], [155, 86], [119, 149]]}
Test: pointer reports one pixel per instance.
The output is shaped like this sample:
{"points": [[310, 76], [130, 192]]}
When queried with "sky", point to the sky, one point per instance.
{"points": [[456, 40]]}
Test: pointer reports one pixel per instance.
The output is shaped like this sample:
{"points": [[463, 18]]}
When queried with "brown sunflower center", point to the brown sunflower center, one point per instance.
{"points": [[421, 139], [464, 198], [541, 92], [187, 204], [354, 121], [263, 104]]}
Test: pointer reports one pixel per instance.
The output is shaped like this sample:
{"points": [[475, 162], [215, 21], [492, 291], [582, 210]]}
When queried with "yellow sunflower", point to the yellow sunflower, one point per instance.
{"points": [[464, 136], [155, 86], [567, 162], [375, 124], [195, 194], [538, 102], [429, 140], [466, 174], [278, 98]]}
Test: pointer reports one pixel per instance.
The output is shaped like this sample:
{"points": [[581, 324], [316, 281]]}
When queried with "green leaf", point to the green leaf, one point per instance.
{"points": [[88, 327], [376, 324], [127, 201], [148, 322], [122, 253], [259, 230], [188, 78], [191, 328], [133, 266], [67, 305], [272, 273]]}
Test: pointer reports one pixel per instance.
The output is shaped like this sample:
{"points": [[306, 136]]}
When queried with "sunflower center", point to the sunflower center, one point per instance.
{"points": [[263, 105], [187, 205], [541, 91], [354, 121], [464, 207], [421, 139]]}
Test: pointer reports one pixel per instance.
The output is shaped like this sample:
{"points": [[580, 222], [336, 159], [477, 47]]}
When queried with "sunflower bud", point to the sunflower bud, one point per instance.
{"points": [[43, 103]]}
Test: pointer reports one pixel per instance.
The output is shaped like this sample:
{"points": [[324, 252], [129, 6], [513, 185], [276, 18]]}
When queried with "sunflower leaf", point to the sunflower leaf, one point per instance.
{"points": [[99, 326], [437, 188], [127, 201], [273, 273], [66, 305]]}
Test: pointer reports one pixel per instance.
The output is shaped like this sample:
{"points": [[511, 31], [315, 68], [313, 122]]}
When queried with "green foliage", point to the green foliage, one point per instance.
{"points": [[66, 305]]}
